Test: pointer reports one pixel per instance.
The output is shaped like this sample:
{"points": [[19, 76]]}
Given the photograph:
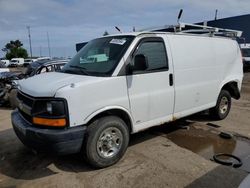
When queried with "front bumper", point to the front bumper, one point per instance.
{"points": [[59, 141]]}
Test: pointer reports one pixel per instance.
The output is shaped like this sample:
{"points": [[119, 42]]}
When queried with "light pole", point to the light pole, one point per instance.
{"points": [[48, 44], [40, 51], [28, 27]]}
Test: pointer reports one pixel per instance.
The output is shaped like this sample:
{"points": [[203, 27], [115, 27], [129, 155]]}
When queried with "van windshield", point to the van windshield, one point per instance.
{"points": [[245, 52], [99, 57]]}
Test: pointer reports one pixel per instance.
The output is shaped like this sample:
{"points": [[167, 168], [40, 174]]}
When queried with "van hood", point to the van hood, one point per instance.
{"points": [[46, 84]]}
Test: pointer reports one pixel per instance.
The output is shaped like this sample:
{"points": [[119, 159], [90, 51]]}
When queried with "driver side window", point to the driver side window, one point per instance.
{"points": [[155, 53]]}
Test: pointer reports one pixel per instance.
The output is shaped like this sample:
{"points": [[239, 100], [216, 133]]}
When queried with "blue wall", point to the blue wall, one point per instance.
{"points": [[241, 23]]}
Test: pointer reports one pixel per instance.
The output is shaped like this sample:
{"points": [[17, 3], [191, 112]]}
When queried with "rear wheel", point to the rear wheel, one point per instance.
{"points": [[106, 141], [223, 106]]}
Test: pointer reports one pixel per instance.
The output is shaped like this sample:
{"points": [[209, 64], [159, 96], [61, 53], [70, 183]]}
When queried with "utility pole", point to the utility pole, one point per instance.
{"points": [[28, 27], [48, 44]]}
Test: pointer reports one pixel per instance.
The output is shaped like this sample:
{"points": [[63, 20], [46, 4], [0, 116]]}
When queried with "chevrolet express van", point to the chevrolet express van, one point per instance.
{"points": [[122, 84]]}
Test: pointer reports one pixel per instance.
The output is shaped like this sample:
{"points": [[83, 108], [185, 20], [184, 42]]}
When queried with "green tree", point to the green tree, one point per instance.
{"points": [[105, 33], [14, 49]]}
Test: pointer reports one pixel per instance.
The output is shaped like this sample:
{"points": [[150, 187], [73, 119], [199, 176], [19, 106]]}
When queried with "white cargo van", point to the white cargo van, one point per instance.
{"points": [[16, 62], [122, 84]]}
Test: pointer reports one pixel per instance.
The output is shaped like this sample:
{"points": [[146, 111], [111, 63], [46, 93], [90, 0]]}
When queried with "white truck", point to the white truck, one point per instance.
{"points": [[146, 79], [14, 62]]}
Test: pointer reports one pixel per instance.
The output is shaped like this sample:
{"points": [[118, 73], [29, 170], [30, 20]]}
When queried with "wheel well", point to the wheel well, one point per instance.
{"points": [[115, 112], [232, 88]]}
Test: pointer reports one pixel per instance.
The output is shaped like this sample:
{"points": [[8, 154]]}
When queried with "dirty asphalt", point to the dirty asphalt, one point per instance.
{"points": [[173, 155]]}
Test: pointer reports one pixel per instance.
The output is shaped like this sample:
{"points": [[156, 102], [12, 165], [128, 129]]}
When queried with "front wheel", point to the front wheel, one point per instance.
{"points": [[223, 106], [106, 141]]}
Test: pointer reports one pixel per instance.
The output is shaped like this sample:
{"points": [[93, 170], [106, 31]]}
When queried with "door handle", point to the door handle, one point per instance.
{"points": [[171, 79]]}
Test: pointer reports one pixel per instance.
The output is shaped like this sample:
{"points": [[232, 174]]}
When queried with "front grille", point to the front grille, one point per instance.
{"points": [[25, 116], [25, 99], [25, 102]]}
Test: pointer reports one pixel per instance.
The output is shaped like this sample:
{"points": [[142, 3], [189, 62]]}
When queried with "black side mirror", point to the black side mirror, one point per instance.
{"points": [[140, 63]]}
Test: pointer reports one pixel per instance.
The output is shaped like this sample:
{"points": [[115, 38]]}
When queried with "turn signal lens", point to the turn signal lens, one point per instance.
{"points": [[50, 122]]}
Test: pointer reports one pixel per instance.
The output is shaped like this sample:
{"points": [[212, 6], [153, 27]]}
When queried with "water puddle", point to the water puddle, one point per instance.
{"points": [[206, 142]]}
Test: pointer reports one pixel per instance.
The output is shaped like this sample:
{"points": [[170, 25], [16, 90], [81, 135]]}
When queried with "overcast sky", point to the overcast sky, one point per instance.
{"points": [[72, 21]]}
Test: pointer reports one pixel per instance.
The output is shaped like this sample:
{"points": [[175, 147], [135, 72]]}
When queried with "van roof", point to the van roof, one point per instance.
{"points": [[161, 32]]}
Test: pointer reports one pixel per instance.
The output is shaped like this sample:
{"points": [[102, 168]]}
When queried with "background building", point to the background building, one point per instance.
{"points": [[241, 23]]}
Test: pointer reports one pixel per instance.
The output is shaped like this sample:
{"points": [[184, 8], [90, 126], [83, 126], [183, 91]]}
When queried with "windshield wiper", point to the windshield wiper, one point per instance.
{"points": [[82, 69]]}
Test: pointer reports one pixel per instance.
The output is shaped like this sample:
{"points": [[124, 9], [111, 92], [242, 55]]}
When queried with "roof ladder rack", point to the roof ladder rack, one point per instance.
{"points": [[204, 29]]}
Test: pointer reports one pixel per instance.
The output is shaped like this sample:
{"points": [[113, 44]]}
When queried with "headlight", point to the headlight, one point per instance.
{"points": [[50, 112], [49, 108]]}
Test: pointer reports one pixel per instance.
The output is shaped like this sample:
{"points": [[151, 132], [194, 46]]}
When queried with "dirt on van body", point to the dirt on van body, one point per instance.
{"points": [[172, 155]]}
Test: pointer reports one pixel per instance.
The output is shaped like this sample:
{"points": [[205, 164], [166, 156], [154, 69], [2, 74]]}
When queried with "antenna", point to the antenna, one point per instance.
{"points": [[179, 16], [178, 21], [216, 13], [117, 28]]}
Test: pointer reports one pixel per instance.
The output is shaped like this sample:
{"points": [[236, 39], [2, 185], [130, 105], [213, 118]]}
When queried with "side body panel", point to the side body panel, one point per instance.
{"points": [[230, 59], [202, 65]]}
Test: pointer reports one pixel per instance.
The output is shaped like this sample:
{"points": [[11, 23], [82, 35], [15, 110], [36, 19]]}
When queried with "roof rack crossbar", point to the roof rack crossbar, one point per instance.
{"points": [[197, 29], [215, 30]]}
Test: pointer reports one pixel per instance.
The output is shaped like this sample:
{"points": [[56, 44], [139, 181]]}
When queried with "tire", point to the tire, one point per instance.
{"points": [[106, 141], [223, 106]]}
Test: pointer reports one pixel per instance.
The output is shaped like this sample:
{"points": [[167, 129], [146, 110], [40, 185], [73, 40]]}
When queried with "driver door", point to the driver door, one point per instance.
{"points": [[151, 92]]}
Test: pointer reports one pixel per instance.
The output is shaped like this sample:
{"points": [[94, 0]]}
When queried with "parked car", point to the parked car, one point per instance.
{"points": [[5, 62], [8, 87], [28, 61], [122, 84], [42, 66], [3, 67], [14, 62], [44, 58], [8, 80], [245, 49]]}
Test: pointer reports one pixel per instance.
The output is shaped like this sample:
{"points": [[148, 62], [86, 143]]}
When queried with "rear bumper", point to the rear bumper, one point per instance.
{"points": [[59, 141]]}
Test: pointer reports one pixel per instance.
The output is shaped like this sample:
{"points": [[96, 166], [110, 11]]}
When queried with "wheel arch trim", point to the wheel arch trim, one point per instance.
{"points": [[232, 87], [108, 109]]}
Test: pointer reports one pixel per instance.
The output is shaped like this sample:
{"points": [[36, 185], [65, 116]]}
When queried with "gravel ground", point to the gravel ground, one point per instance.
{"points": [[152, 160]]}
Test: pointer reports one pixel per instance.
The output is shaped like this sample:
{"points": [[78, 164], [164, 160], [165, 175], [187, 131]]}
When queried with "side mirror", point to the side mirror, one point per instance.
{"points": [[140, 63]]}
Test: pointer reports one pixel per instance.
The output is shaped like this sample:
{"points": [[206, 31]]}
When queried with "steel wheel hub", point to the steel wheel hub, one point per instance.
{"points": [[224, 105], [109, 142]]}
